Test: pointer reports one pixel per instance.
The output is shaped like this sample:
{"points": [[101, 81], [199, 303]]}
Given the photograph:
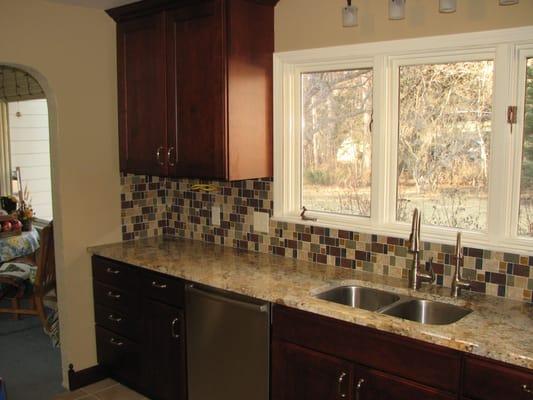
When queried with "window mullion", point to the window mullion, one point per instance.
{"points": [[380, 169], [500, 184]]}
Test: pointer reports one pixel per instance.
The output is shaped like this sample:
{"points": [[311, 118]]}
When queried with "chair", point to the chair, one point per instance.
{"points": [[45, 282]]}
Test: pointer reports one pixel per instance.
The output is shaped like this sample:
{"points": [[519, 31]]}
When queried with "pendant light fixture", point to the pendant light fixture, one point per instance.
{"points": [[349, 15], [397, 9], [447, 6]]}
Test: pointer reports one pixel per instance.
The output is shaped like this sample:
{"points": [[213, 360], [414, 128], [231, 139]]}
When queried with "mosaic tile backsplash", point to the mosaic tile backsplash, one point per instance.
{"points": [[155, 206]]}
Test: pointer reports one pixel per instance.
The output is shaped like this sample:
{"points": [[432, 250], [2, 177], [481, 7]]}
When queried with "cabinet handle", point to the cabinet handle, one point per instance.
{"points": [[173, 328], [116, 342], [158, 285], [158, 155], [339, 385], [169, 153], [110, 270], [113, 295], [527, 389], [358, 388], [112, 318]]}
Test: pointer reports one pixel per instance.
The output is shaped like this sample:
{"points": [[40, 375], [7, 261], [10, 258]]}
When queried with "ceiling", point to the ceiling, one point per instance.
{"points": [[100, 4]]}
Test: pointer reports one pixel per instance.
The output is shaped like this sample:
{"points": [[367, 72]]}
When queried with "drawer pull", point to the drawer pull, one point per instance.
{"points": [[115, 296], [527, 389], [173, 329], [358, 388], [112, 318], [339, 387], [112, 271], [159, 285], [116, 342]]}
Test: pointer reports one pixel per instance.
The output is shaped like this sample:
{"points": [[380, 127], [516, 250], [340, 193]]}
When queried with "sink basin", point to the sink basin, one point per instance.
{"points": [[359, 297], [427, 312]]}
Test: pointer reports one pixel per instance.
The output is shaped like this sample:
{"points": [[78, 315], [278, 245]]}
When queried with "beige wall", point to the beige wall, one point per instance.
{"points": [[71, 51], [304, 24]]}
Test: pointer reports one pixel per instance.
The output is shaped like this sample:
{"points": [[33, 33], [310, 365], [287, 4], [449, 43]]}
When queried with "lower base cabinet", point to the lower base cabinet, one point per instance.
{"points": [[299, 373], [163, 356], [140, 328]]}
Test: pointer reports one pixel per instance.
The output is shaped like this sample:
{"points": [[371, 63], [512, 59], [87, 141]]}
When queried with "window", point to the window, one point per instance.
{"points": [[366, 133], [525, 220], [336, 141], [445, 117]]}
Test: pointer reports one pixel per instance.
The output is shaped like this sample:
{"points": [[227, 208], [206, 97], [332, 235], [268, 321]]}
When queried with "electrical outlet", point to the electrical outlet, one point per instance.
{"points": [[261, 222], [215, 215]]}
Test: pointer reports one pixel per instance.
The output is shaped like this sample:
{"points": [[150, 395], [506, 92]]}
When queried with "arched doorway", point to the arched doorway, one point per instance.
{"points": [[32, 354]]}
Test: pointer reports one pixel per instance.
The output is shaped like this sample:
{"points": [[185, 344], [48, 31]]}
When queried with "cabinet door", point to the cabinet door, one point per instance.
{"points": [[375, 385], [141, 95], [196, 87], [299, 373], [119, 356], [163, 351]]}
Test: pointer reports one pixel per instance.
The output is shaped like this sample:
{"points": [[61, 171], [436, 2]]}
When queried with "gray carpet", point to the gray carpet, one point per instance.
{"points": [[29, 365]]}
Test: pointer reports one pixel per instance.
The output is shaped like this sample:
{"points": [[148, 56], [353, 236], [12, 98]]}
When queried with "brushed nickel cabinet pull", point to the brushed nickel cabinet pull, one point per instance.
{"points": [[169, 157], [158, 285], [112, 318], [113, 295], [342, 395], [158, 155], [112, 271], [358, 388], [116, 342], [173, 328]]}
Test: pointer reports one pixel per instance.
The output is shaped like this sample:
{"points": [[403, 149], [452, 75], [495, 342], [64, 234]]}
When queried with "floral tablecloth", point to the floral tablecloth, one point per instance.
{"points": [[19, 246]]}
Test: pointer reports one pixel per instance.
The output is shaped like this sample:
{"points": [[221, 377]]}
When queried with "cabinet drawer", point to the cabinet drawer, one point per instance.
{"points": [[114, 273], [119, 356], [116, 299], [117, 322], [164, 288], [431, 365], [490, 380]]}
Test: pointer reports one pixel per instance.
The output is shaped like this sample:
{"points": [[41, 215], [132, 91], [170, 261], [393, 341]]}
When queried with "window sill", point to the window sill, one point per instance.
{"points": [[437, 235]]}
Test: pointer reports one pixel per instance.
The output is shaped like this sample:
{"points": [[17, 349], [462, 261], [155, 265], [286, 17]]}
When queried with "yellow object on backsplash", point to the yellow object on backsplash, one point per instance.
{"points": [[199, 187]]}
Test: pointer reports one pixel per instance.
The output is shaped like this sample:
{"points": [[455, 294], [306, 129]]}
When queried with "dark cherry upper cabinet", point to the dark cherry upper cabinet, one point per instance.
{"points": [[207, 111], [299, 373], [141, 88]]}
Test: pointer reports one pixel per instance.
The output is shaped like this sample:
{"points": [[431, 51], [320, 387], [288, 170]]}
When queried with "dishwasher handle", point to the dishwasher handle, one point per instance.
{"points": [[224, 299]]}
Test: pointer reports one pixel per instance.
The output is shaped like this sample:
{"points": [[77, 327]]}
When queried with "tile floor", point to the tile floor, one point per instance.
{"points": [[107, 389]]}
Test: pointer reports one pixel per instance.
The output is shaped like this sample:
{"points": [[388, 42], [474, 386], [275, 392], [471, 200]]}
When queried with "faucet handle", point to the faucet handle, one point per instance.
{"points": [[429, 269]]}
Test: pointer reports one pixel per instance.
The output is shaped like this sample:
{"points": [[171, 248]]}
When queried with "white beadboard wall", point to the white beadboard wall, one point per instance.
{"points": [[30, 150]]}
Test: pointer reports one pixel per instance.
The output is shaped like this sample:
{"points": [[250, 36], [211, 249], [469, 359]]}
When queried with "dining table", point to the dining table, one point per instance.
{"points": [[17, 246]]}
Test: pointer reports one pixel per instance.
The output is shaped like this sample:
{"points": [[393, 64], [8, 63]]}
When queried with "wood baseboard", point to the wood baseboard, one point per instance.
{"points": [[84, 377]]}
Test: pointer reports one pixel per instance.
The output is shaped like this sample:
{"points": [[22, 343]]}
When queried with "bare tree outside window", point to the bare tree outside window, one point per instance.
{"points": [[525, 216], [336, 138], [445, 113]]}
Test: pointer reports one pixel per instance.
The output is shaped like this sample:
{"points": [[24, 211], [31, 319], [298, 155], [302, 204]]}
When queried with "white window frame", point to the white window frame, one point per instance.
{"points": [[508, 48]]}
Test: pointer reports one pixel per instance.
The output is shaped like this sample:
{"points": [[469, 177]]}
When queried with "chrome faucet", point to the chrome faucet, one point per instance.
{"points": [[416, 276], [457, 282]]}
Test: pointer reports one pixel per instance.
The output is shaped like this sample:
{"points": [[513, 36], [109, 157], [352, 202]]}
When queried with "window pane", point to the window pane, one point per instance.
{"points": [[525, 216], [444, 142], [336, 141]]}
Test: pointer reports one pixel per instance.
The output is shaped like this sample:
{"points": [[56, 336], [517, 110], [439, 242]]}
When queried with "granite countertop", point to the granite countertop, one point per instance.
{"points": [[497, 328]]}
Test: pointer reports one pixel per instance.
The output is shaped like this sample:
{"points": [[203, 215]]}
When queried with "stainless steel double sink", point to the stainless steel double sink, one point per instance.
{"points": [[387, 303]]}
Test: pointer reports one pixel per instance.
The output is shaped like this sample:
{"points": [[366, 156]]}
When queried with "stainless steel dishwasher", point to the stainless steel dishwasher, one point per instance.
{"points": [[228, 339]]}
